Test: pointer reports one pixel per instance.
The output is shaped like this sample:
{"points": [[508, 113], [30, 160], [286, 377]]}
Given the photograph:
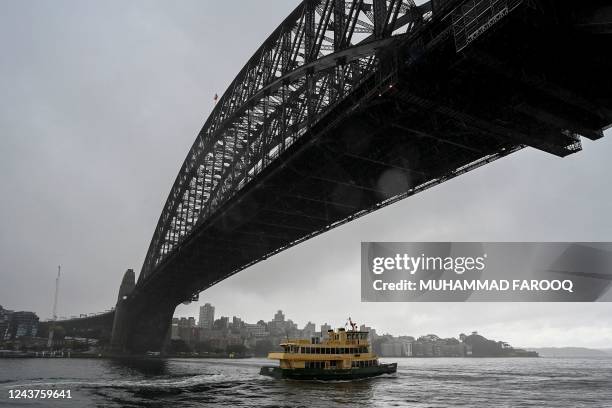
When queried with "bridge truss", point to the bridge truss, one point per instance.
{"points": [[314, 59]]}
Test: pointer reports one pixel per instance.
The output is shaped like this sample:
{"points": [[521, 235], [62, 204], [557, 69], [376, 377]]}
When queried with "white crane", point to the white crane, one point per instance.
{"points": [[52, 328]]}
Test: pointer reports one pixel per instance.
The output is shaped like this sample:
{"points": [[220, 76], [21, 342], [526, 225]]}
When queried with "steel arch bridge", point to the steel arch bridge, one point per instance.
{"points": [[317, 56], [351, 105]]}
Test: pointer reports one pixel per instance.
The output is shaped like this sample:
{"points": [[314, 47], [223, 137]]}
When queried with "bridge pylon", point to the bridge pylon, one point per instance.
{"points": [[121, 321], [139, 327]]}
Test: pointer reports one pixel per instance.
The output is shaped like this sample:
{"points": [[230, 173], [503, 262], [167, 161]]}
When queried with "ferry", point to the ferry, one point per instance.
{"points": [[342, 355]]}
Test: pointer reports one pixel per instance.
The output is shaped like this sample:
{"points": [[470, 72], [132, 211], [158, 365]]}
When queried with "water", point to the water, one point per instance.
{"points": [[543, 382]]}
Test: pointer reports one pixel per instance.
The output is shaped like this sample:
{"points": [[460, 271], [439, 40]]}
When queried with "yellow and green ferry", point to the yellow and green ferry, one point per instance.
{"points": [[343, 355]]}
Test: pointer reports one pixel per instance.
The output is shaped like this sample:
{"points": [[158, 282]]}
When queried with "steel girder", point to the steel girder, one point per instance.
{"points": [[312, 61]]}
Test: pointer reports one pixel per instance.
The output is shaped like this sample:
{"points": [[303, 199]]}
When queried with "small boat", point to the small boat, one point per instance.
{"points": [[342, 355]]}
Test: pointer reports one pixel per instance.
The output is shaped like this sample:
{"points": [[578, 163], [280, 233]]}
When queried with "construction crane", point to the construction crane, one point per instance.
{"points": [[52, 328]]}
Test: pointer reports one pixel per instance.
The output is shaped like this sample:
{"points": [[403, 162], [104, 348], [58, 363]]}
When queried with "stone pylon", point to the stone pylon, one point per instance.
{"points": [[122, 317]]}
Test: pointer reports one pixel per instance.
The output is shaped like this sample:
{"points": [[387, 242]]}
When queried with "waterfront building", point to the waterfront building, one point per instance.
{"points": [[397, 348], [207, 316], [5, 318]]}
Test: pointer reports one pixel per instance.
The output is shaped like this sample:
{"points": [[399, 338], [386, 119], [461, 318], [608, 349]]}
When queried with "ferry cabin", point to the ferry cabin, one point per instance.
{"points": [[341, 350]]}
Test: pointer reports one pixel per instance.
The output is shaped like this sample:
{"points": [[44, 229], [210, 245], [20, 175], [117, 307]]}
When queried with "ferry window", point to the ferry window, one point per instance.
{"points": [[316, 364], [332, 363]]}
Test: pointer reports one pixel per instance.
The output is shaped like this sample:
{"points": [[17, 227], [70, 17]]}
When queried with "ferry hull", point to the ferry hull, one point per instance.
{"points": [[328, 375]]}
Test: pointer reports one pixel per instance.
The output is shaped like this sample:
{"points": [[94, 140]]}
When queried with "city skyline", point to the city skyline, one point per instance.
{"points": [[96, 129]]}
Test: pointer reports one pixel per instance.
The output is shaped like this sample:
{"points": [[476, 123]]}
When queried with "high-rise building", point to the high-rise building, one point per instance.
{"points": [[279, 316], [22, 324], [371, 331], [5, 319], [207, 316], [236, 322], [309, 330], [174, 334], [221, 323]]}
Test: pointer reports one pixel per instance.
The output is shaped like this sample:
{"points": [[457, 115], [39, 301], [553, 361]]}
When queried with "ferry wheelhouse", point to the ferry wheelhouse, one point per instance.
{"points": [[342, 355]]}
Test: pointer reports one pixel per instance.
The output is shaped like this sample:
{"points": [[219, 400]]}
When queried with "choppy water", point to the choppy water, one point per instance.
{"points": [[419, 383]]}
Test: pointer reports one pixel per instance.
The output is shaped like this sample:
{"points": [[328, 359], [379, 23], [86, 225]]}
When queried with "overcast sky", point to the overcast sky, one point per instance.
{"points": [[99, 104]]}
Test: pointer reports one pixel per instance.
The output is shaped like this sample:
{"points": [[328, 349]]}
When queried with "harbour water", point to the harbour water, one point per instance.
{"points": [[439, 382]]}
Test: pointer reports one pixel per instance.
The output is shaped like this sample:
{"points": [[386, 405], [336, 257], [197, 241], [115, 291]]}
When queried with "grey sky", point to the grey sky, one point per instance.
{"points": [[100, 102]]}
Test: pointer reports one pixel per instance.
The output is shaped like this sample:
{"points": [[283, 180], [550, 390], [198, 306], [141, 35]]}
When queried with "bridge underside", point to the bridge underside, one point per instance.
{"points": [[434, 115]]}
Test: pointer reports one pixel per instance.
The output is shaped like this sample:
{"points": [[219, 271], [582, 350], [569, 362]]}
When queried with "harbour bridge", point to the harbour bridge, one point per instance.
{"points": [[351, 105]]}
